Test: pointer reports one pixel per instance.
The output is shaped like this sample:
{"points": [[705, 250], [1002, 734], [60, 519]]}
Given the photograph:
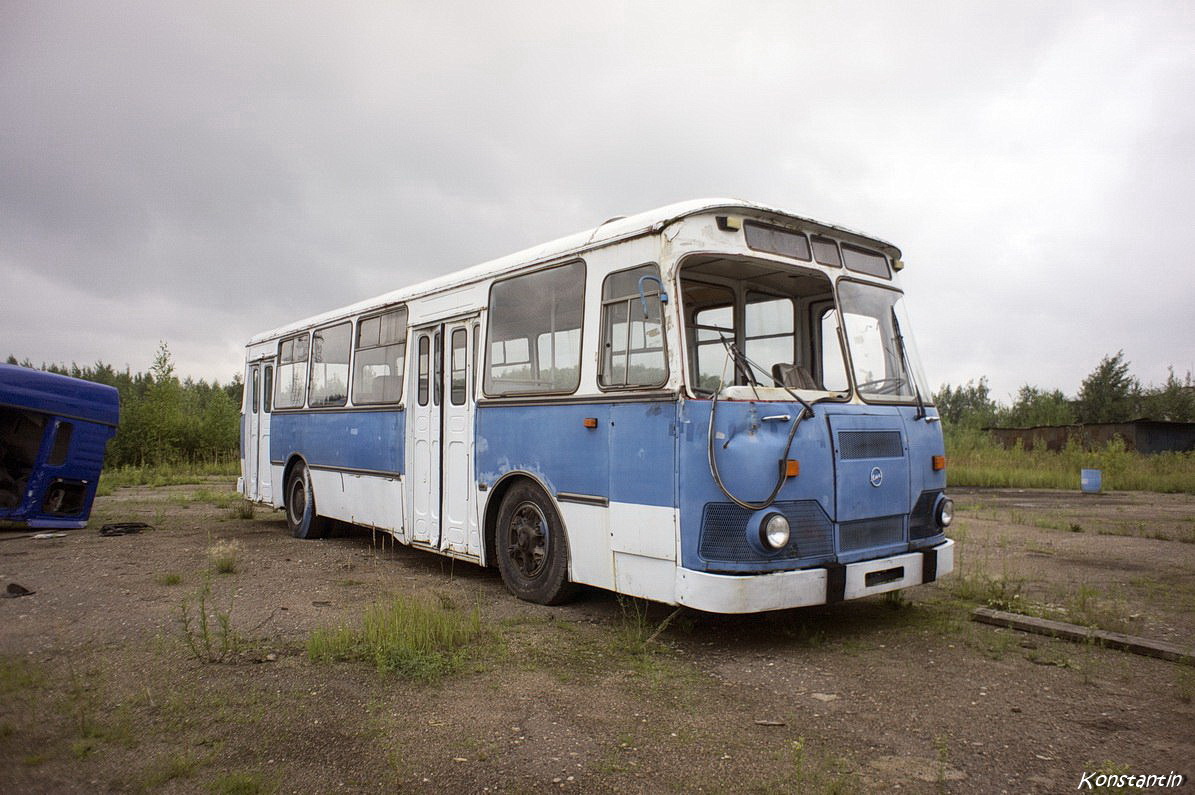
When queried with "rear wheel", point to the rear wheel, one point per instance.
{"points": [[301, 517], [532, 547]]}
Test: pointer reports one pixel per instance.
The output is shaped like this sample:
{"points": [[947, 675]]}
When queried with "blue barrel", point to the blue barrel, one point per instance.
{"points": [[1090, 480]]}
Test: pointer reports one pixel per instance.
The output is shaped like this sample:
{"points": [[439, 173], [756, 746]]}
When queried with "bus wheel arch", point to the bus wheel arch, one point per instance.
{"points": [[298, 502], [529, 542]]}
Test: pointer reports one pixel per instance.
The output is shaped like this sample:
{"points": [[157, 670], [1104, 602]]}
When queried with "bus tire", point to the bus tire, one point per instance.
{"points": [[301, 516], [532, 549]]}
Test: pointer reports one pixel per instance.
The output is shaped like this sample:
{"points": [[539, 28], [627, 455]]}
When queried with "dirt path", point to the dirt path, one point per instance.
{"points": [[100, 689]]}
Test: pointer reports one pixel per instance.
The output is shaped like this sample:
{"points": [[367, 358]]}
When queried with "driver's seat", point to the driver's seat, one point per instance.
{"points": [[793, 376]]}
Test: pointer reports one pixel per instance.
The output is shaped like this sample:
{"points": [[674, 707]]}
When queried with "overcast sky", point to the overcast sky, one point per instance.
{"points": [[196, 173]]}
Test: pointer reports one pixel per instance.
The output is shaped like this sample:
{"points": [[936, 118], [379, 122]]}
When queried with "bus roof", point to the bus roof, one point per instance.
{"points": [[60, 395], [609, 231]]}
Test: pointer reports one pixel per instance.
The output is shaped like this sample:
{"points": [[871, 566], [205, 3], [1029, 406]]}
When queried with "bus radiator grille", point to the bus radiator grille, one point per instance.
{"points": [[853, 445], [871, 533], [921, 522], [724, 533]]}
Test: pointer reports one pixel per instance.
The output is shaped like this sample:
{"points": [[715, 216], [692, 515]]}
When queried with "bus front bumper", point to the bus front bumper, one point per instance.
{"points": [[722, 593]]}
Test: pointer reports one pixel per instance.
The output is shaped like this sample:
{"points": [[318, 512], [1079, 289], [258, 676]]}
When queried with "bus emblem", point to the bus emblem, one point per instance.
{"points": [[877, 476]]}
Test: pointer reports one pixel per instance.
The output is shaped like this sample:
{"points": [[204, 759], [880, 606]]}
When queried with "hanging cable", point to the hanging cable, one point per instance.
{"points": [[735, 355]]}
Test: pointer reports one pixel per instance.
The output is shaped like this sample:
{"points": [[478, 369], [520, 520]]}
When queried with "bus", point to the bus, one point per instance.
{"points": [[54, 432], [713, 404]]}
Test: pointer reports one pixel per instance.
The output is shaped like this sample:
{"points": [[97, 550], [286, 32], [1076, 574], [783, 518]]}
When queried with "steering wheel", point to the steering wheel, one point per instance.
{"points": [[883, 386]]}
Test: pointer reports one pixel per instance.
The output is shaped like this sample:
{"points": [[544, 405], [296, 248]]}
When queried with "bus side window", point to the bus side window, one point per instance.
{"points": [[423, 369], [292, 373], [534, 332], [460, 345], [330, 366], [632, 340], [380, 358], [256, 391], [267, 388]]}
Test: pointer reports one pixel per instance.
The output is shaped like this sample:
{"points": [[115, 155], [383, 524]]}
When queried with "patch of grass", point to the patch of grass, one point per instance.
{"points": [[241, 510], [17, 675], [241, 783], [825, 774], [167, 768], [413, 637], [976, 459], [224, 498], [167, 474], [1002, 593], [1091, 608], [1111, 769], [1184, 682], [223, 556], [168, 578]]}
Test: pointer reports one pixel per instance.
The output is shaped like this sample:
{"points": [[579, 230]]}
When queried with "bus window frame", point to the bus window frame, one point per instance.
{"points": [[302, 404], [605, 303], [926, 396], [348, 385], [357, 348], [532, 343]]}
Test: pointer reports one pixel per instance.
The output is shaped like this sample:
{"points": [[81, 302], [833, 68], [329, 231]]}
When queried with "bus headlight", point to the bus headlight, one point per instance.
{"points": [[945, 512], [774, 531]]}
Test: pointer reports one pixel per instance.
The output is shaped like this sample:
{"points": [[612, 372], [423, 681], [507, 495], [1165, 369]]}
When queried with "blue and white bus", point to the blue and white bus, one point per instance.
{"points": [[713, 404]]}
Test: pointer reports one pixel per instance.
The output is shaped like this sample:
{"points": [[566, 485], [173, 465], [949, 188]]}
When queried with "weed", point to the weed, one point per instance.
{"points": [[942, 747], [1185, 682], [1003, 593], [208, 643], [242, 510], [240, 784], [168, 474], [167, 768], [1111, 769], [223, 556], [17, 675], [413, 637], [168, 578], [1090, 608], [826, 774]]}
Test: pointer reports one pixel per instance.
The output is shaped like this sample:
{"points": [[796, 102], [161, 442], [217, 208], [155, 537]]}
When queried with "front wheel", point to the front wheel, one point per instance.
{"points": [[301, 517], [532, 547]]}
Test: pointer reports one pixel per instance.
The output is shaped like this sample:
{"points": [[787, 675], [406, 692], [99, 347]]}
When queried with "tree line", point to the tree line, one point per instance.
{"points": [[1109, 394], [164, 420]]}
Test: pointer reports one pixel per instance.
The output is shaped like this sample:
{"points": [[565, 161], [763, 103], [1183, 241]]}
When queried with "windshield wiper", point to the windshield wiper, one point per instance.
{"points": [[748, 368], [904, 358]]}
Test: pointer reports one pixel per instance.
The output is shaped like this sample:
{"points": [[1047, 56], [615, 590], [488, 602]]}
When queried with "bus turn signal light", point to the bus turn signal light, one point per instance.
{"points": [[590, 422], [792, 468], [939, 462]]}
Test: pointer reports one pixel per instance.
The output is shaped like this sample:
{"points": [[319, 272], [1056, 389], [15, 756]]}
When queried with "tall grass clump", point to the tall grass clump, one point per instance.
{"points": [[171, 474], [413, 637], [976, 459]]}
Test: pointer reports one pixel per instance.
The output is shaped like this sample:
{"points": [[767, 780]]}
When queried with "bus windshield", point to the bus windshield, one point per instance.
{"points": [[883, 352], [770, 325], [761, 324]]}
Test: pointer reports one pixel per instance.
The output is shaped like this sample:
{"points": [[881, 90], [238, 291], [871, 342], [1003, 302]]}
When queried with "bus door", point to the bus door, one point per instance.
{"points": [[260, 387], [252, 419], [264, 480], [440, 454]]}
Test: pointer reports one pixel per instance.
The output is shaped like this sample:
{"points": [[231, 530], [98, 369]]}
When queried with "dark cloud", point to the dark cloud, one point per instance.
{"points": [[199, 173]]}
